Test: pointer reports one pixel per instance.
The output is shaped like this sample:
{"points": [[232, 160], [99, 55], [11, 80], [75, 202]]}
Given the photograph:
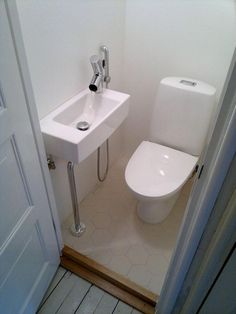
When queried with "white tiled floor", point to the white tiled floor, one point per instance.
{"points": [[118, 239]]}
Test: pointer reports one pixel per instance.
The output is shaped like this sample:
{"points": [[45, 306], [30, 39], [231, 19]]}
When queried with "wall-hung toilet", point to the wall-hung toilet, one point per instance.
{"points": [[159, 168]]}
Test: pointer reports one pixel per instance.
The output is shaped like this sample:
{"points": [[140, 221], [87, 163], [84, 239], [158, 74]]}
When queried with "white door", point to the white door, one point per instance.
{"points": [[29, 253]]}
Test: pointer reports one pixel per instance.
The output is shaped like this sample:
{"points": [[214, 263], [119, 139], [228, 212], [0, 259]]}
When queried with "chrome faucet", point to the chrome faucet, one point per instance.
{"points": [[101, 71], [96, 83]]}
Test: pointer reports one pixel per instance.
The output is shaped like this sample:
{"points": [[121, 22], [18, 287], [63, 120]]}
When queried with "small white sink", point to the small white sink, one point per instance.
{"points": [[103, 112]]}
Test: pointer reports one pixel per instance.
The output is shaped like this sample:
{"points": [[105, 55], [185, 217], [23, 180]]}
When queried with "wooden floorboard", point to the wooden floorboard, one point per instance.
{"points": [[69, 293], [111, 276], [74, 297], [91, 301], [112, 289], [107, 304], [59, 294], [57, 278], [97, 290], [136, 312], [123, 308]]}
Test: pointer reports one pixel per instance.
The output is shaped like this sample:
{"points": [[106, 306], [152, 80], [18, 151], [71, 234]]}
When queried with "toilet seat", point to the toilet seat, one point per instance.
{"points": [[156, 171]]}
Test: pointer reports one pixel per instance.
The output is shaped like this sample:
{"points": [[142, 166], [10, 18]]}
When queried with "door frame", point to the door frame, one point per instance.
{"points": [[216, 247], [216, 160], [17, 38]]}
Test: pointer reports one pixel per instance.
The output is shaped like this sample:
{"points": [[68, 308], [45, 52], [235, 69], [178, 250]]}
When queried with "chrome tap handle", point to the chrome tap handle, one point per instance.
{"points": [[107, 77]]}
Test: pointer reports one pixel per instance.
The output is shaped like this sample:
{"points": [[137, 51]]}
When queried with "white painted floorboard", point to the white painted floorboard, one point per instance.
{"points": [[60, 273], [90, 301], [107, 304], [123, 308], [69, 294], [75, 297]]}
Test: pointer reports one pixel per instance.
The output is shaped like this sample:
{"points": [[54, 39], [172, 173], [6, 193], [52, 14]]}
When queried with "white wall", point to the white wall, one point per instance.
{"points": [[60, 36], [173, 38]]}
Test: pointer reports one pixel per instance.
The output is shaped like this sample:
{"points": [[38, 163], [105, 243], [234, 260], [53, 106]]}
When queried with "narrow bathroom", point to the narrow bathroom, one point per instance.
{"points": [[168, 60]]}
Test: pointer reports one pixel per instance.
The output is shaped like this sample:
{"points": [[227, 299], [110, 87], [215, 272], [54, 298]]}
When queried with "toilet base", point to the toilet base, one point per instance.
{"points": [[156, 211]]}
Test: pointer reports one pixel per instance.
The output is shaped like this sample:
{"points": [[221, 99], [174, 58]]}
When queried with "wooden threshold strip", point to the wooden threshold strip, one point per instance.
{"points": [[115, 284]]}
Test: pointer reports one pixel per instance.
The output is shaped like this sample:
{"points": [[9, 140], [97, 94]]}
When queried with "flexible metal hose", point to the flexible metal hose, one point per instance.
{"points": [[107, 80]]}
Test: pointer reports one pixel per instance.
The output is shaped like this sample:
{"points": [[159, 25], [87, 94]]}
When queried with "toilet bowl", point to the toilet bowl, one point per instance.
{"points": [[159, 168], [156, 174]]}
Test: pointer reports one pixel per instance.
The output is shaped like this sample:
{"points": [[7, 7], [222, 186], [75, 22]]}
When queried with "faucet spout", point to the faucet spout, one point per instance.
{"points": [[96, 84]]}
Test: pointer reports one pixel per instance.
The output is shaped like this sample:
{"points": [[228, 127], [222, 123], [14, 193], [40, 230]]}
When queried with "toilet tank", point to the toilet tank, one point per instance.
{"points": [[182, 114]]}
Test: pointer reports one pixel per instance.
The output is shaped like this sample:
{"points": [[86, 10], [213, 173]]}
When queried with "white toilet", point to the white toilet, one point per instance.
{"points": [[158, 169]]}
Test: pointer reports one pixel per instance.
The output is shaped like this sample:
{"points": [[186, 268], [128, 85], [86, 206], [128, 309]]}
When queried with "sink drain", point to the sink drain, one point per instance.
{"points": [[82, 125]]}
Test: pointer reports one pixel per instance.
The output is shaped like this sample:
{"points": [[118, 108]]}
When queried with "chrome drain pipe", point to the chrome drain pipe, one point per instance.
{"points": [[77, 228], [100, 177]]}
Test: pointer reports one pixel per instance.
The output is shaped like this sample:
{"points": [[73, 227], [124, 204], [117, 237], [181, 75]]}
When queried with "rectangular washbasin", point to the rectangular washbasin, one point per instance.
{"points": [[103, 113]]}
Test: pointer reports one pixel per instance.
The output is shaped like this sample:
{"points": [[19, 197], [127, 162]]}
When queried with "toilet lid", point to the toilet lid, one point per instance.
{"points": [[156, 171]]}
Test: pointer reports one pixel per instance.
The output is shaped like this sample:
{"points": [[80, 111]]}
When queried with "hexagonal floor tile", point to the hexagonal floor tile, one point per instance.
{"points": [[102, 256], [120, 264], [156, 283], [101, 220], [82, 244], [140, 275], [102, 238], [119, 246], [157, 263], [137, 254]]}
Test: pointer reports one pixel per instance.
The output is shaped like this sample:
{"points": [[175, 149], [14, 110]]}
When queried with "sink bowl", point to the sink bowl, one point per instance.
{"points": [[101, 113]]}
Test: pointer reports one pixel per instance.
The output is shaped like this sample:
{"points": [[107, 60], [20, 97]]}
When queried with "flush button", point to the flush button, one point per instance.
{"points": [[188, 83]]}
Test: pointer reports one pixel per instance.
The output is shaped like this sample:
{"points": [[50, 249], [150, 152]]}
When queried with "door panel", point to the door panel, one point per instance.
{"points": [[21, 268], [17, 204], [28, 248]]}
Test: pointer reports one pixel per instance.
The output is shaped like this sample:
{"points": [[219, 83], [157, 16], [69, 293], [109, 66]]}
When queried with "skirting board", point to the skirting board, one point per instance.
{"points": [[113, 283]]}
